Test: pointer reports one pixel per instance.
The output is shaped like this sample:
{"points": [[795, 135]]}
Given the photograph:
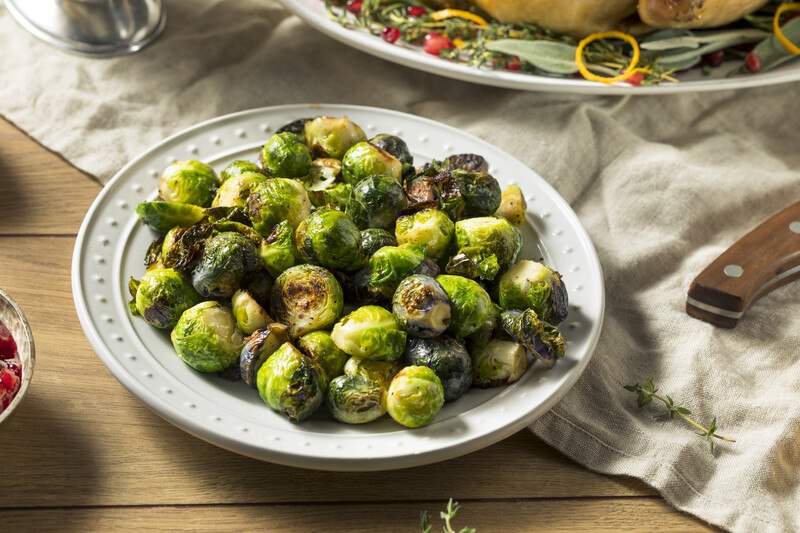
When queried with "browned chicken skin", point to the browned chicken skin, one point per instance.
{"points": [[695, 13]]}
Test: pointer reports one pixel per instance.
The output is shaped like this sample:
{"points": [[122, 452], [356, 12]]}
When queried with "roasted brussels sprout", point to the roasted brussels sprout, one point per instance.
{"points": [[259, 287], [468, 162], [182, 245], [480, 191], [188, 182], [487, 246], [365, 159], [239, 167], [206, 337], [429, 228], [226, 260], [355, 399], [542, 339], [421, 307], [532, 285], [248, 313], [318, 346], [329, 238], [337, 195], [322, 174], [291, 383], [512, 205], [234, 191], [332, 137], [390, 265], [257, 349], [469, 302], [434, 189], [488, 330], [499, 362], [163, 216], [277, 250], [285, 155], [398, 148], [415, 396], [162, 296], [357, 288], [373, 239], [296, 126], [276, 200], [306, 298], [448, 358], [370, 332], [381, 372], [382, 197]]}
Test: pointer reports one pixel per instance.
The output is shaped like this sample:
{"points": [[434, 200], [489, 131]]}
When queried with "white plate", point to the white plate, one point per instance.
{"points": [[112, 242], [313, 12]]}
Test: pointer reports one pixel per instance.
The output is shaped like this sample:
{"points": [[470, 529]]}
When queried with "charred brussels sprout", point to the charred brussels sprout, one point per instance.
{"points": [[421, 307], [277, 250], [234, 191], [257, 349], [542, 339], [318, 346], [415, 396], [162, 296], [373, 239], [276, 200], [430, 228], [381, 372], [390, 265], [480, 191], [237, 168], [285, 155], [248, 313], [365, 159], [512, 205], [332, 137], [532, 285], [329, 238], [398, 148], [163, 216], [434, 189], [291, 383], [337, 196], [206, 337], [469, 302], [322, 175], [486, 332], [188, 182], [498, 363], [355, 399], [296, 126], [306, 298], [382, 197], [468, 162], [370, 332], [448, 358], [226, 260], [260, 286], [487, 246]]}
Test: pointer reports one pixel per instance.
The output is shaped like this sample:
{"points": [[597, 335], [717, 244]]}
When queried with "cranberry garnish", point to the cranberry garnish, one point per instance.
{"points": [[752, 62], [514, 64], [390, 34], [354, 6], [8, 348], [714, 59], [8, 380], [636, 79], [435, 42], [415, 11], [16, 369]]}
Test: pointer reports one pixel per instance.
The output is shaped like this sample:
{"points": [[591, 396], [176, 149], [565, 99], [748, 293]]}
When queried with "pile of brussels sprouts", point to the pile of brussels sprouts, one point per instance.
{"points": [[334, 271]]}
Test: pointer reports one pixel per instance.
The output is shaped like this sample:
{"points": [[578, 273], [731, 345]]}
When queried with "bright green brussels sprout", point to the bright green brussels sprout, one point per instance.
{"points": [[356, 211], [373, 239], [237, 168], [381, 372], [163, 216], [421, 307], [234, 191], [469, 302], [291, 383], [487, 331], [499, 362], [285, 155], [382, 197], [365, 159], [306, 298], [390, 265], [487, 246], [329, 238], [370, 331], [337, 195], [332, 137], [448, 358], [188, 182], [532, 285], [480, 191], [429, 228], [542, 339], [318, 346], [277, 250], [355, 399], [162, 296], [415, 396], [512, 205], [398, 148], [276, 200], [206, 337], [257, 349], [226, 260], [248, 313]]}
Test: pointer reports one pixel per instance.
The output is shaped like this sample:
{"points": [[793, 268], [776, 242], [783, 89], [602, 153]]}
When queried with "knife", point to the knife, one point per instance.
{"points": [[758, 263]]}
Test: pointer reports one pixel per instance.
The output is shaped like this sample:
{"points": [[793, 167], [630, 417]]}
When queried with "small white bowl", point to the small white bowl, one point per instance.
{"points": [[11, 315]]}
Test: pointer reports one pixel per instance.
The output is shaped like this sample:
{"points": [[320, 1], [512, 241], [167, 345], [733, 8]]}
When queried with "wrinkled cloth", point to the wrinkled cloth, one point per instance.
{"points": [[662, 184]]}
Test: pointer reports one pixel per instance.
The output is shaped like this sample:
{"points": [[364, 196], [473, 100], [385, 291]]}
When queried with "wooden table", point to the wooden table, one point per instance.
{"points": [[82, 454]]}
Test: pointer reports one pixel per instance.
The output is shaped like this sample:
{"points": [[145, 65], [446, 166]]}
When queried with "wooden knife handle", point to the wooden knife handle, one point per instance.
{"points": [[758, 263]]}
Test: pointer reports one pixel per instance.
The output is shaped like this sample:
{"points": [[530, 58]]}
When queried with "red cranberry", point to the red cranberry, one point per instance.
{"points": [[415, 11], [514, 64], [714, 59], [8, 380], [354, 6], [390, 34], [752, 62], [636, 79], [435, 42], [8, 348], [16, 369]]}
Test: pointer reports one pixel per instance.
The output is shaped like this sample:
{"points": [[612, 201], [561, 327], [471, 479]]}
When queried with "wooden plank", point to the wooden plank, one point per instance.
{"points": [[614, 514]]}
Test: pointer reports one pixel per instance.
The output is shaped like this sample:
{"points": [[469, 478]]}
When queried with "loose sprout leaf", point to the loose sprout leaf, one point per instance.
{"points": [[558, 58]]}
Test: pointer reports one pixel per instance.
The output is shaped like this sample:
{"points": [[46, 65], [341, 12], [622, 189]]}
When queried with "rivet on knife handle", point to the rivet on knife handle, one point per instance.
{"points": [[759, 262]]}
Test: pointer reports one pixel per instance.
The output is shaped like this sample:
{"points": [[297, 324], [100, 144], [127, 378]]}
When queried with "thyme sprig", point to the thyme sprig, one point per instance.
{"points": [[447, 516], [648, 391]]}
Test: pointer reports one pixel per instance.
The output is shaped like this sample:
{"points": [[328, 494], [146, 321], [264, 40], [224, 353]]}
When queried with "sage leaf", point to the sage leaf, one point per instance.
{"points": [[772, 52], [697, 39], [688, 59], [557, 58]]}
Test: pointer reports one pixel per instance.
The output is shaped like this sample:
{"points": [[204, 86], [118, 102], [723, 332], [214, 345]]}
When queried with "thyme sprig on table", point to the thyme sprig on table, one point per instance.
{"points": [[648, 391], [448, 516]]}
